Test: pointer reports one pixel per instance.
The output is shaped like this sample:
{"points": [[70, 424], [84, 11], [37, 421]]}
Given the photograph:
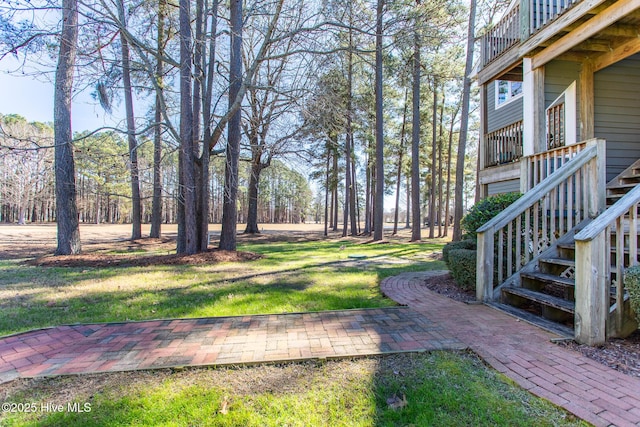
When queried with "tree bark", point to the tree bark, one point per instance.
{"points": [[136, 207], [66, 209], [447, 223], [252, 211], [464, 124], [415, 142], [434, 151], [230, 203], [186, 132], [156, 204], [378, 217], [399, 171]]}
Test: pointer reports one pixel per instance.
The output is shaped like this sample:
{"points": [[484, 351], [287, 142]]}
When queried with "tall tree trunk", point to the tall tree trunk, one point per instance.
{"points": [[205, 157], [440, 186], [348, 139], [367, 202], [186, 132], [156, 204], [66, 209], [353, 199], [434, 151], [464, 124], [252, 212], [378, 219], [447, 223], [230, 204], [399, 171], [326, 194], [334, 183], [415, 141], [408, 189], [136, 208]]}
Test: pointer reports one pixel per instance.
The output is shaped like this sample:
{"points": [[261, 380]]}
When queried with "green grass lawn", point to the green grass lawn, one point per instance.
{"points": [[291, 277], [438, 389]]}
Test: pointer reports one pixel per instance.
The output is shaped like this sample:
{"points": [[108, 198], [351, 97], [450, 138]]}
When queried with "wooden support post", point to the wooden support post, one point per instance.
{"points": [[587, 101], [591, 291], [484, 266], [539, 116]]}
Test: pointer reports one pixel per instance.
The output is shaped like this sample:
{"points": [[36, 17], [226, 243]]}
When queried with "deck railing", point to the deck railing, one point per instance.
{"points": [[556, 126], [504, 145], [520, 233], [594, 263], [512, 28], [503, 36], [540, 165], [544, 11]]}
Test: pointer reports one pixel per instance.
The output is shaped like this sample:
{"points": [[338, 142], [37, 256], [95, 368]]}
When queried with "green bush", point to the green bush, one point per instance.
{"points": [[463, 244], [463, 267], [485, 210], [632, 283]]}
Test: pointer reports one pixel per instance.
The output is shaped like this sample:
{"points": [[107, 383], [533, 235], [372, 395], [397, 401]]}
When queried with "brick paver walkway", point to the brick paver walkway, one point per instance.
{"points": [[524, 353], [595, 393], [216, 341]]}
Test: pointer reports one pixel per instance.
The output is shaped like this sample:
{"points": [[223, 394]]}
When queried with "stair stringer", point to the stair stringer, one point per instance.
{"points": [[533, 265], [627, 173]]}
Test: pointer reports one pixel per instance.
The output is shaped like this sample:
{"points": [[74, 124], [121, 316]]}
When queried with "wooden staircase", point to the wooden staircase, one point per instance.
{"points": [[545, 292]]}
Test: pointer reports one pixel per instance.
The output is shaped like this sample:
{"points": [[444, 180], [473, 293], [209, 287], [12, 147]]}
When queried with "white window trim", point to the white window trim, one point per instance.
{"points": [[507, 101]]}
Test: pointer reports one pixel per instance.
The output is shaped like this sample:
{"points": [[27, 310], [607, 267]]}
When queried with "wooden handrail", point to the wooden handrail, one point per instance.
{"points": [[520, 233], [538, 166], [593, 269], [536, 193], [620, 208]]}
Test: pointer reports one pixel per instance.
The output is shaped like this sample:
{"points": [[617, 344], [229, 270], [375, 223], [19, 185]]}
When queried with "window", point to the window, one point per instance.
{"points": [[506, 91]]}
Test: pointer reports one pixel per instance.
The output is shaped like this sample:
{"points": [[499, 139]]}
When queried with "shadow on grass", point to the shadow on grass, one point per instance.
{"points": [[428, 389]]}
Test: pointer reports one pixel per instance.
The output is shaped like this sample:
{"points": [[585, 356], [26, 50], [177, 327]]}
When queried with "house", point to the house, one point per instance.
{"points": [[560, 122]]}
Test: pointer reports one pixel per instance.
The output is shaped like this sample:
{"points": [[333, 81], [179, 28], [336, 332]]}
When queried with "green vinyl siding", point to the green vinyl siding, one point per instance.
{"points": [[500, 187], [506, 114], [558, 76], [617, 113]]}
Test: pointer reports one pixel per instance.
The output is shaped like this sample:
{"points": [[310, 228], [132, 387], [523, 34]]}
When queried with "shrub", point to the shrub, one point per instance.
{"points": [[632, 283], [463, 244], [485, 210], [463, 267]]}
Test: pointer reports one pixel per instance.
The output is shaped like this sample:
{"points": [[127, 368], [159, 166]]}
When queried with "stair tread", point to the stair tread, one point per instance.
{"points": [[539, 297], [623, 186], [549, 278], [559, 261], [548, 325]]}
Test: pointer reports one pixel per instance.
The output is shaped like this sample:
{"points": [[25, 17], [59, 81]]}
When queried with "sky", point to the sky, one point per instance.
{"points": [[33, 99]]}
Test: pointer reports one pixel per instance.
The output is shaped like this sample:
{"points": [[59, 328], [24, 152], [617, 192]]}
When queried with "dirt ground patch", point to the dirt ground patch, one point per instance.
{"points": [[106, 260]]}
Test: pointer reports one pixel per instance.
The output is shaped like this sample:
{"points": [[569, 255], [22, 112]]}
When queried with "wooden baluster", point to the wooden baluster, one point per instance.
{"points": [[633, 236], [570, 196], [579, 201], [500, 255], [552, 216], [562, 208], [619, 266], [518, 242], [509, 251], [536, 228], [527, 235]]}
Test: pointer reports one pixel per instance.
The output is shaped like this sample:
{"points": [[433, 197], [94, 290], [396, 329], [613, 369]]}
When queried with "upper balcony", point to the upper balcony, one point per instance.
{"points": [[602, 31], [515, 26]]}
